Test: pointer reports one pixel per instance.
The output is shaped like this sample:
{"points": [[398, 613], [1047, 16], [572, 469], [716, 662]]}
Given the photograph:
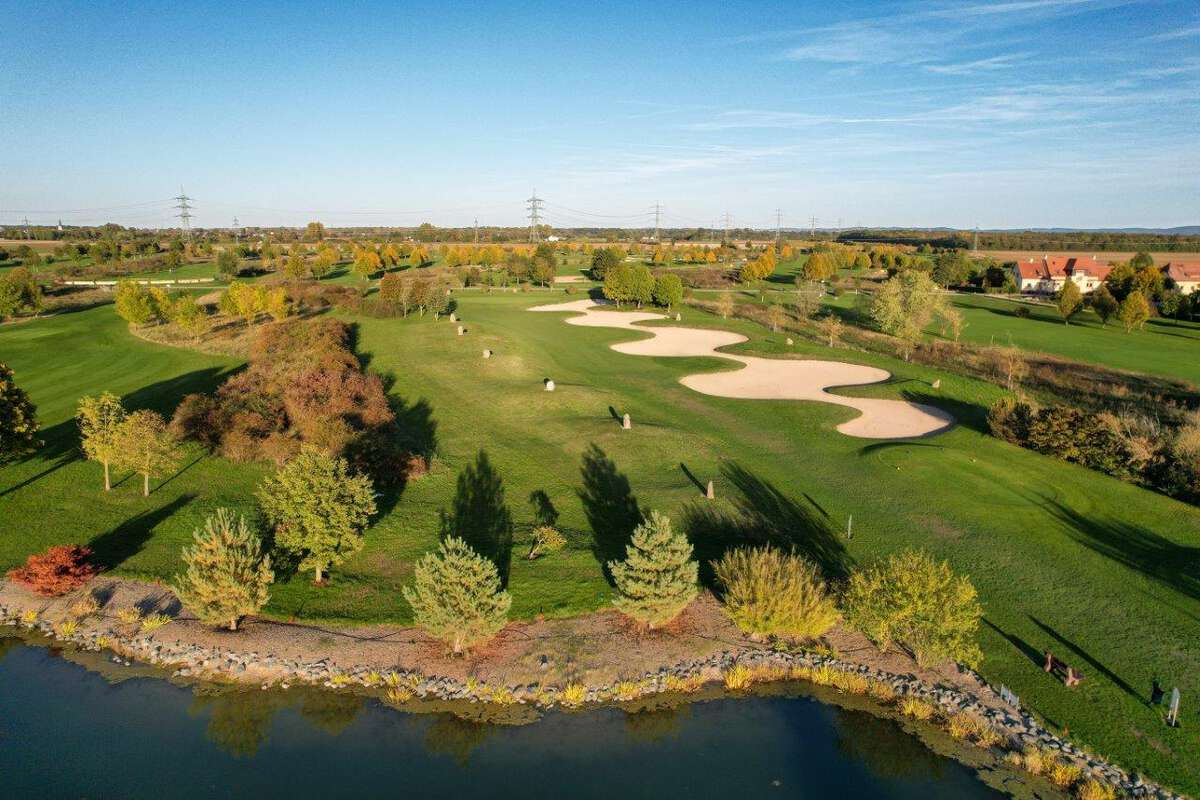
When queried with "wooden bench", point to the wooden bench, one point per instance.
{"points": [[1070, 675]]}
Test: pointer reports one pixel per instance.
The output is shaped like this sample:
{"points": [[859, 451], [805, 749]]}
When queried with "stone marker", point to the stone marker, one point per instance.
{"points": [[937, 384], [453, 317], [549, 385], [460, 330], [678, 316], [487, 353], [626, 422], [790, 342], [709, 493]]}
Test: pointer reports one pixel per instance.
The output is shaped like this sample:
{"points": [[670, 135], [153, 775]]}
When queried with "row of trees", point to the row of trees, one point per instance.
{"points": [[626, 283], [139, 441]]}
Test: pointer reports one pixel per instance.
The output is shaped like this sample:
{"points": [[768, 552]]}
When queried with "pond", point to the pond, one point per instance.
{"points": [[69, 731]]}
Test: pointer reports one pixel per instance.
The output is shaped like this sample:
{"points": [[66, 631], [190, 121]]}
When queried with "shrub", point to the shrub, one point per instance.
{"points": [[85, 606], [226, 574], [546, 539], [916, 708], [1095, 790], [737, 677], [456, 596], [658, 577], [912, 600], [769, 592], [1009, 419], [1064, 775], [129, 616], [152, 622], [57, 571], [66, 629], [573, 695]]}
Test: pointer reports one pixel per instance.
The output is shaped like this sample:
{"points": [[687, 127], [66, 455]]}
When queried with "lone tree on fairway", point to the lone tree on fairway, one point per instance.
{"points": [[912, 600], [18, 420], [1135, 310], [227, 573], [100, 420], [456, 596], [318, 509], [725, 305], [658, 577], [1069, 300], [145, 445], [668, 291]]}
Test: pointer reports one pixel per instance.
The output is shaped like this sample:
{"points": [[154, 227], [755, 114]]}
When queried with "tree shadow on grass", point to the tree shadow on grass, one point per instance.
{"points": [[1176, 566], [1022, 646], [609, 505], [479, 516], [762, 515], [969, 415], [112, 548]]}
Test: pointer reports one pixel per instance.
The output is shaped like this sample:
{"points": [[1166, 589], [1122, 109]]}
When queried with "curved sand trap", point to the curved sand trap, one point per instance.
{"points": [[768, 378]]}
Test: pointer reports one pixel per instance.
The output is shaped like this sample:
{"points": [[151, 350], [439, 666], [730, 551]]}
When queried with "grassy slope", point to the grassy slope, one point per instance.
{"points": [[1097, 570]]}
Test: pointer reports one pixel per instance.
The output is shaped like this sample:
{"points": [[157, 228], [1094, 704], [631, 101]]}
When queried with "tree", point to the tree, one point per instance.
{"points": [[229, 265], [19, 291], [322, 264], [1120, 280], [905, 305], [1104, 304], [189, 315], [819, 267], [605, 259], [100, 420], [59, 570], [296, 267], [768, 592], [618, 283], [658, 577], [314, 232], [951, 268], [366, 263], [318, 509], [725, 304], [275, 302], [396, 290], [456, 596], [18, 419], [668, 291], [912, 600], [134, 303], [832, 327], [146, 446], [227, 575], [775, 316], [1068, 300], [641, 285], [1135, 310], [1141, 260], [542, 270], [808, 296]]}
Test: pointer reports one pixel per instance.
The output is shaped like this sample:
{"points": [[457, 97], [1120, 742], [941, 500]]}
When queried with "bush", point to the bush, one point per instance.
{"points": [[769, 592], [57, 571], [546, 539], [912, 600], [1009, 419], [227, 574], [658, 577], [456, 596]]}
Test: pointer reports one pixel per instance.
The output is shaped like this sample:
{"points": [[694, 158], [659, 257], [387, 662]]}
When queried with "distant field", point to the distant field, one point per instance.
{"points": [[1114, 257]]}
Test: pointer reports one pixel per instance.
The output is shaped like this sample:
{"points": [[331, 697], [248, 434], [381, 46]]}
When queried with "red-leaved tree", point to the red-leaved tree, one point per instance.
{"points": [[61, 569]]}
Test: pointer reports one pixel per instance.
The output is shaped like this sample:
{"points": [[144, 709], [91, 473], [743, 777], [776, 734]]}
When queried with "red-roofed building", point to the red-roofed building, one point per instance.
{"points": [[1046, 275], [1184, 275]]}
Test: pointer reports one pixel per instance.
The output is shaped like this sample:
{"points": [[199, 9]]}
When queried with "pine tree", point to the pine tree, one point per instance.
{"points": [[18, 423], [658, 577], [318, 509], [227, 573], [456, 596], [100, 420]]}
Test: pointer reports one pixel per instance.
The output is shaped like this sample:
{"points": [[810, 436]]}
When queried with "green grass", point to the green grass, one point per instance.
{"points": [[1166, 347], [1103, 573]]}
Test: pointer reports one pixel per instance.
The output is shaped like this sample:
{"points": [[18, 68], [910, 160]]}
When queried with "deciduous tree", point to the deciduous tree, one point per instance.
{"points": [[668, 291], [146, 445], [1135, 310], [905, 305], [318, 509], [1069, 300], [100, 420]]}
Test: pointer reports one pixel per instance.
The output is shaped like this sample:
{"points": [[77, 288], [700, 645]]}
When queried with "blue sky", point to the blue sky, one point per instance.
{"points": [[999, 114]]}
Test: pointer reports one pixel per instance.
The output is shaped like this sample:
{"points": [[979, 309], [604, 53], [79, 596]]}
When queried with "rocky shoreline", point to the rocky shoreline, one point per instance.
{"points": [[192, 661]]}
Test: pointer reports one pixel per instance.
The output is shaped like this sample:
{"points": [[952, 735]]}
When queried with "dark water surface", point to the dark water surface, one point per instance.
{"points": [[66, 731]]}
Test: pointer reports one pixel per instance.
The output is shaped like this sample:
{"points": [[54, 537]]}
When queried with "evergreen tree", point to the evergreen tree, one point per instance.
{"points": [[100, 420], [318, 509], [227, 573], [456, 596], [18, 421], [658, 577]]}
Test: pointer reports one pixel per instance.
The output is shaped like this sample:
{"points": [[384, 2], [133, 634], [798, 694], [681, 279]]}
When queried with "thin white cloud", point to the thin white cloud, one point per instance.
{"points": [[978, 65], [1178, 33]]}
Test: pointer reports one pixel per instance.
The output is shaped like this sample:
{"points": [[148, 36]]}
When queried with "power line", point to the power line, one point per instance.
{"points": [[185, 212], [534, 204]]}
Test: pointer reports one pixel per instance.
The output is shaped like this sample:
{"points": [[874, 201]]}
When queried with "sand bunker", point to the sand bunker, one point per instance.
{"points": [[767, 378]]}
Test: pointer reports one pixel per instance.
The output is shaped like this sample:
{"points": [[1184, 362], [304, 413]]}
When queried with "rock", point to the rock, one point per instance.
{"points": [[461, 330], [708, 492], [678, 316], [549, 384], [790, 342], [626, 422], [487, 353], [453, 317]]}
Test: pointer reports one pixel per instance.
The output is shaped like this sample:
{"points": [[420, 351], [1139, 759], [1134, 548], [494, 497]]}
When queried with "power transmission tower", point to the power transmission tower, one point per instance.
{"points": [[27, 236], [237, 229], [812, 229], [839, 228], [975, 246], [185, 213], [477, 230], [534, 204], [778, 224], [657, 214], [726, 226]]}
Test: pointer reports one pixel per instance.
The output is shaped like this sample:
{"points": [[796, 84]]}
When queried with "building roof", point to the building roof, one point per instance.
{"points": [[1181, 271], [1051, 267]]}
